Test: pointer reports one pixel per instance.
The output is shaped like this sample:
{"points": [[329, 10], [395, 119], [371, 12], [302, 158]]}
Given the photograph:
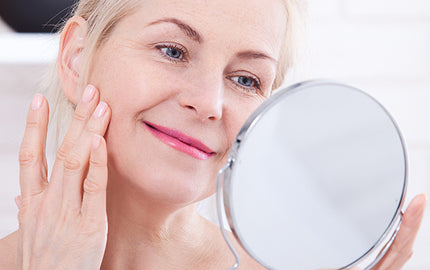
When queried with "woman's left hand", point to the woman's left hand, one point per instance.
{"points": [[402, 248]]}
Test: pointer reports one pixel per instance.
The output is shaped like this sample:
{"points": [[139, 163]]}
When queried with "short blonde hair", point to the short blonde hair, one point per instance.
{"points": [[103, 15]]}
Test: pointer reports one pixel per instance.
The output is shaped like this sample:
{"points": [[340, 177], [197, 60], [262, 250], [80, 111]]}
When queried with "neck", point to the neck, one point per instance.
{"points": [[143, 231]]}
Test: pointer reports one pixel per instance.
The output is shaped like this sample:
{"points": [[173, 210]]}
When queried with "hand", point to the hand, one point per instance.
{"points": [[63, 222], [402, 248]]}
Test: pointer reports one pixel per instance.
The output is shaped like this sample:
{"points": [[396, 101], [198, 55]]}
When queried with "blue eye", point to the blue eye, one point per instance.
{"points": [[172, 52], [247, 82]]}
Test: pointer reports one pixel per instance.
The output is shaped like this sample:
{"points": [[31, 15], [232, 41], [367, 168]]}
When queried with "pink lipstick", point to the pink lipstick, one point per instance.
{"points": [[180, 141]]}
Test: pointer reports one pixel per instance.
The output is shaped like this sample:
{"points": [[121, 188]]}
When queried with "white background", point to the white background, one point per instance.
{"points": [[381, 46]]}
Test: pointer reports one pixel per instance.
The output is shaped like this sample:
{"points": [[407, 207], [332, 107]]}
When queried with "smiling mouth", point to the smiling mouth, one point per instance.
{"points": [[180, 141]]}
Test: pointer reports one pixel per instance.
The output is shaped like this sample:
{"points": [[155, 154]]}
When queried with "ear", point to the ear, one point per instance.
{"points": [[72, 43]]}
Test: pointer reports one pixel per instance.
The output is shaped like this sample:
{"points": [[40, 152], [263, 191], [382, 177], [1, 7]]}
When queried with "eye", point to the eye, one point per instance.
{"points": [[172, 52], [247, 83]]}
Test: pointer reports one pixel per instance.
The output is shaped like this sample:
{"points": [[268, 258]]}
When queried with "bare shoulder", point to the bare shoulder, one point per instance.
{"points": [[8, 248]]}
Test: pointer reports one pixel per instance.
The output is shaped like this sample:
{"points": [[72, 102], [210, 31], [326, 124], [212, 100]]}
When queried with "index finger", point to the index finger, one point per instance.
{"points": [[32, 160]]}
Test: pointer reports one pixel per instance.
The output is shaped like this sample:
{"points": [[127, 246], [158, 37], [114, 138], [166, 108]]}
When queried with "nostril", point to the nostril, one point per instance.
{"points": [[190, 107]]}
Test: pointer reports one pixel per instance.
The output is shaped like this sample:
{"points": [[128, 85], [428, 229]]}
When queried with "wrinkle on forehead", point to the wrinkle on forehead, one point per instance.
{"points": [[247, 23]]}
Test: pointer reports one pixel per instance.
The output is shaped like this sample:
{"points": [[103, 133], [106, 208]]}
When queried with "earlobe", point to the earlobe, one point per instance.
{"points": [[72, 44]]}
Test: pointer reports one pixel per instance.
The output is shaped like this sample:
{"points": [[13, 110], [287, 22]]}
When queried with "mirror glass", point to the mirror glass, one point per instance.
{"points": [[316, 178]]}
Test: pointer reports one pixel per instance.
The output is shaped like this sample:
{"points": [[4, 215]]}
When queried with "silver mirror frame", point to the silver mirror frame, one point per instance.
{"points": [[223, 195]]}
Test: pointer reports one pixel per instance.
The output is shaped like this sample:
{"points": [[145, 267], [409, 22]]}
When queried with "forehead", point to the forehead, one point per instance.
{"points": [[242, 23]]}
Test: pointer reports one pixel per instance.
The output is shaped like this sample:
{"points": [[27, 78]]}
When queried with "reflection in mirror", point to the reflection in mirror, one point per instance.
{"points": [[316, 179]]}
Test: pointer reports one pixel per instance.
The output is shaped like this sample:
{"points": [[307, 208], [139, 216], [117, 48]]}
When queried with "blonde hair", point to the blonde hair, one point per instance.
{"points": [[103, 15]]}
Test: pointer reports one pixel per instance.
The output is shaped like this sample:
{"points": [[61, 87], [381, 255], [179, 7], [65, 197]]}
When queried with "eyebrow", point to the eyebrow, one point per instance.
{"points": [[194, 35], [255, 55], [187, 29]]}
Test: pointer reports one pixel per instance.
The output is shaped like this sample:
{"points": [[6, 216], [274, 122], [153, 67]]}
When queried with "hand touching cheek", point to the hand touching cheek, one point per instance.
{"points": [[63, 223]]}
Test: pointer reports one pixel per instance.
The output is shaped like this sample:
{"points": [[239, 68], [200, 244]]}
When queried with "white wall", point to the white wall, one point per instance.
{"points": [[381, 46]]}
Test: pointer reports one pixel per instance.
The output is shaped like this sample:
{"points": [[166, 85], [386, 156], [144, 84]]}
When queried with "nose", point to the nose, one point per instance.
{"points": [[204, 97]]}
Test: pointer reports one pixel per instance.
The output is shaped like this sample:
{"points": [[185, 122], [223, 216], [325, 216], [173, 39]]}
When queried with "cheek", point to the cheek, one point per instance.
{"points": [[129, 82], [238, 113]]}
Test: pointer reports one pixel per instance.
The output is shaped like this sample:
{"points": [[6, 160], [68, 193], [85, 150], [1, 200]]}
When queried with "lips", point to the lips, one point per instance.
{"points": [[180, 141]]}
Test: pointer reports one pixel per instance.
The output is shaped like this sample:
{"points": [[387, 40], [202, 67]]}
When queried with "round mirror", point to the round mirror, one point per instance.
{"points": [[315, 180]]}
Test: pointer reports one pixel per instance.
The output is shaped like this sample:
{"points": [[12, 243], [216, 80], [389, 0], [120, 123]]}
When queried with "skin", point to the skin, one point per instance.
{"points": [[104, 190]]}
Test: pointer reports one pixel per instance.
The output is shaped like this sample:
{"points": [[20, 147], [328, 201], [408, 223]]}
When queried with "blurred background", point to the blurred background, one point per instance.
{"points": [[380, 46]]}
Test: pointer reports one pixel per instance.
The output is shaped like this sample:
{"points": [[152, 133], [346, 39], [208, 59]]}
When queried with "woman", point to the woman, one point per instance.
{"points": [[160, 90]]}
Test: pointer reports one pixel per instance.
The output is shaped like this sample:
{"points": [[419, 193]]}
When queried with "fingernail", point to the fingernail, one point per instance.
{"points": [[88, 94], [100, 110], [422, 198], [36, 103], [96, 141]]}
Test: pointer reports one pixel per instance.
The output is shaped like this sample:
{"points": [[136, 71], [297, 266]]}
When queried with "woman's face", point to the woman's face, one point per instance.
{"points": [[181, 77]]}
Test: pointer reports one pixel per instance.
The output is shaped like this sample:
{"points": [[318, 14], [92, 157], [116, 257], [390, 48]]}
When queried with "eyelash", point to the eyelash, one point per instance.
{"points": [[184, 53]]}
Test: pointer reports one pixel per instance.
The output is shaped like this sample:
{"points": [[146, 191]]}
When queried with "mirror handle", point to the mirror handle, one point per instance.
{"points": [[220, 179]]}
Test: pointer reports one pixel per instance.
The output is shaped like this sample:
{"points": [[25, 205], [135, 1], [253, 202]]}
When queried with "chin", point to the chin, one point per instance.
{"points": [[181, 189], [160, 173], [166, 186]]}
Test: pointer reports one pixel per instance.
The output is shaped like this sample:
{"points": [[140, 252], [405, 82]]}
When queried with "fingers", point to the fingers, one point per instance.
{"points": [[83, 111], [401, 249], [33, 170], [76, 163], [94, 198]]}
